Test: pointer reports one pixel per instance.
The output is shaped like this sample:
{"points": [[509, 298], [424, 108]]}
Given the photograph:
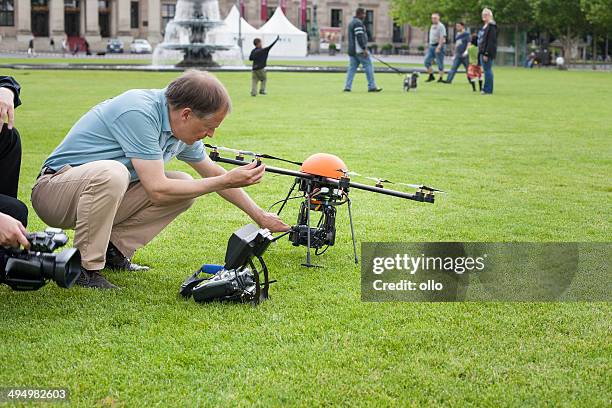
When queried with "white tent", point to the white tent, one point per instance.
{"points": [[227, 34], [293, 41]]}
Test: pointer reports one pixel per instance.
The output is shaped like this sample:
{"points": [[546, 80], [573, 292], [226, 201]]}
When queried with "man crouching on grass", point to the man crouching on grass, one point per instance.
{"points": [[106, 179]]}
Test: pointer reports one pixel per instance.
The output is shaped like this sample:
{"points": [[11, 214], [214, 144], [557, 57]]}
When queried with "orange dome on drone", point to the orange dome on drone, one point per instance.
{"points": [[324, 164]]}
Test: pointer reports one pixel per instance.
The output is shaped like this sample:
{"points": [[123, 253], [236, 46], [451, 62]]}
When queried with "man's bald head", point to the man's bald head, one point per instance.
{"points": [[199, 91]]}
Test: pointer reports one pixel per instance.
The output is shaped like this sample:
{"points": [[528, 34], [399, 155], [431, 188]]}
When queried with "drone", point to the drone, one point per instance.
{"points": [[323, 183]]}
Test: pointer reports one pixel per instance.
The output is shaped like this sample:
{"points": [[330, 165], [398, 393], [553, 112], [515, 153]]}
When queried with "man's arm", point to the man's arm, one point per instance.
{"points": [[272, 45], [161, 189], [442, 38], [207, 169], [12, 231], [360, 37], [9, 99]]}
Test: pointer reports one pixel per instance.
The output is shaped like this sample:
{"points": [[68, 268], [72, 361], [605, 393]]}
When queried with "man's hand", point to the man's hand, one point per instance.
{"points": [[272, 222], [485, 58], [7, 108], [244, 176], [238, 197], [12, 232], [438, 48], [366, 53]]}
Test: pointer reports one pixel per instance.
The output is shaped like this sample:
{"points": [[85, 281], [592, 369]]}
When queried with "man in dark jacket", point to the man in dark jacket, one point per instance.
{"points": [[13, 213], [358, 52], [259, 56], [487, 49]]}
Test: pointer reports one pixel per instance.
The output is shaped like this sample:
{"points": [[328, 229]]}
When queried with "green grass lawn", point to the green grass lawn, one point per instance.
{"points": [[531, 163]]}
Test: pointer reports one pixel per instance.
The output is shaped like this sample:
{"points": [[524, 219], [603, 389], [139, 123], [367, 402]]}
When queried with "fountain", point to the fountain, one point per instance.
{"points": [[188, 37]]}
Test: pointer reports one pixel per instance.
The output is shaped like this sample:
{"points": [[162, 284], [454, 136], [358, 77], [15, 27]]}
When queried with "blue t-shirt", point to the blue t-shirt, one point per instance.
{"points": [[480, 35], [461, 42], [134, 124]]}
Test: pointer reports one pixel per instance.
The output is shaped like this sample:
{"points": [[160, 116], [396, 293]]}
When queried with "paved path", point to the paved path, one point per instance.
{"points": [[392, 59]]}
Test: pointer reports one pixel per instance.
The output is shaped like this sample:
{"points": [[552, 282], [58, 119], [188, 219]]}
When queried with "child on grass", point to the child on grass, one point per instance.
{"points": [[474, 69], [259, 56]]}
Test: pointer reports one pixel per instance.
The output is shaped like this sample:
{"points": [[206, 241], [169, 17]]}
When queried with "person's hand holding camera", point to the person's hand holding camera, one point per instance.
{"points": [[7, 107], [12, 232], [245, 175]]}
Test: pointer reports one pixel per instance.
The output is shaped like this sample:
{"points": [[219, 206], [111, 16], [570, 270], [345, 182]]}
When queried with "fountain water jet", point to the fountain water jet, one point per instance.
{"points": [[188, 37]]}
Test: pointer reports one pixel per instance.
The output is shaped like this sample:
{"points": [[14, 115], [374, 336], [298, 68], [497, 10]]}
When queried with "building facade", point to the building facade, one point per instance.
{"points": [[98, 20]]}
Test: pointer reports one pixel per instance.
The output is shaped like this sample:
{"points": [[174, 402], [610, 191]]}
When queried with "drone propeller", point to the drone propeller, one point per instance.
{"points": [[423, 187], [381, 181], [241, 153], [236, 151]]}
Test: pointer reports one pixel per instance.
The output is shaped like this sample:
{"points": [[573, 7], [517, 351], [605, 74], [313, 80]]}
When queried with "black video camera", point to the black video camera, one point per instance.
{"points": [[23, 269], [234, 281]]}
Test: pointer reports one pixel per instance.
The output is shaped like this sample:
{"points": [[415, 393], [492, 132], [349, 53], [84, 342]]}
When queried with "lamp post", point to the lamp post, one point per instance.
{"points": [[239, 5], [314, 29]]}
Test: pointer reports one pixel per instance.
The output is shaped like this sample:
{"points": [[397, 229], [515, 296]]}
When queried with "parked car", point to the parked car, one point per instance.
{"points": [[114, 45], [139, 46]]}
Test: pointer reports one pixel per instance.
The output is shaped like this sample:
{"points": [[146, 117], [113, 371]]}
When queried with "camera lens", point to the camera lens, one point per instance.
{"points": [[67, 268]]}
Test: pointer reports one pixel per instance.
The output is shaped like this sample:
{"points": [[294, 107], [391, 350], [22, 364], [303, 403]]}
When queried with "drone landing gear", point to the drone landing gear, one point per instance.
{"points": [[308, 264], [322, 197], [348, 203]]}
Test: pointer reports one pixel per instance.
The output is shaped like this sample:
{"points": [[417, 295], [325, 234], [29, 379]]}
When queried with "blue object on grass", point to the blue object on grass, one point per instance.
{"points": [[211, 269]]}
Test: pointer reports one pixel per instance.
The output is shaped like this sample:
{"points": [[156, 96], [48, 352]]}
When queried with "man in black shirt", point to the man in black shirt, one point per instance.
{"points": [[259, 56], [13, 213]]}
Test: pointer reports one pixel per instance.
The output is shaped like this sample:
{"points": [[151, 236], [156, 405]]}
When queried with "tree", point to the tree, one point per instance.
{"points": [[562, 18], [510, 13], [415, 12], [418, 12], [599, 14]]}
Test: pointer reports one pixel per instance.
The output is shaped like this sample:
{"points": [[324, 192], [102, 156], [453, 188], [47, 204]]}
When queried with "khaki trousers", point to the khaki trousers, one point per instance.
{"points": [[258, 75], [98, 201]]}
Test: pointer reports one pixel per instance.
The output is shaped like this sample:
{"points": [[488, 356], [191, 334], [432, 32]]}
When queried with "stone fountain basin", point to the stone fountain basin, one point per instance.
{"points": [[196, 46]]}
